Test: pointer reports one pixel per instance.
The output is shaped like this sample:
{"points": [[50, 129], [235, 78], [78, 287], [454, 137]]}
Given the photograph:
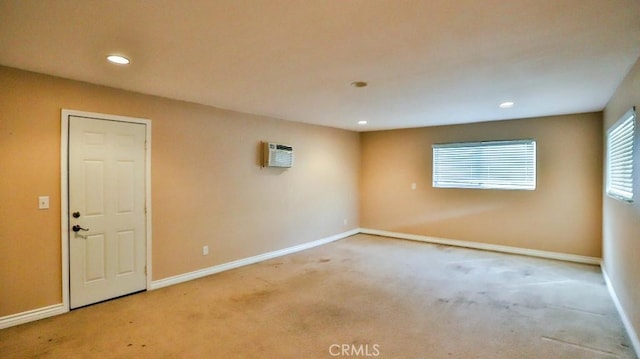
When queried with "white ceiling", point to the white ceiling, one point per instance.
{"points": [[427, 62]]}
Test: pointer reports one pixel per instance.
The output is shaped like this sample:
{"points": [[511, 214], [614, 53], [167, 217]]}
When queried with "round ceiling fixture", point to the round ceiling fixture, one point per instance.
{"points": [[507, 104], [359, 84], [117, 59]]}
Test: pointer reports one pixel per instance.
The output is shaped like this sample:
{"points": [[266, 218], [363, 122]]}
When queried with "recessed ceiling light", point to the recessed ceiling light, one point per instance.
{"points": [[507, 104], [362, 122], [117, 59], [359, 84]]}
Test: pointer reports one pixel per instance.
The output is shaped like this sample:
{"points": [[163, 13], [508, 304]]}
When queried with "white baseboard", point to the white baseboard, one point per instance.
{"points": [[485, 246], [32, 315], [246, 261], [41, 313], [631, 332]]}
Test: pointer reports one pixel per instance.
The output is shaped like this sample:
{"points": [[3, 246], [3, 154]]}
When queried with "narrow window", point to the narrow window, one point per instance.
{"points": [[485, 165], [620, 145]]}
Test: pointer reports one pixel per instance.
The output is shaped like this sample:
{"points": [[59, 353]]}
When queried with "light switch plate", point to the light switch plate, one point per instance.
{"points": [[43, 202]]}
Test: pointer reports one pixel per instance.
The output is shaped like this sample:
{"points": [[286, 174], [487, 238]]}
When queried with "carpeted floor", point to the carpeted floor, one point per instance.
{"points": [[364, 296]]}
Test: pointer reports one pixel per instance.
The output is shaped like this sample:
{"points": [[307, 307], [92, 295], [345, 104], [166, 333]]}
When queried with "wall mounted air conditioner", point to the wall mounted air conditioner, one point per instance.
{"points": [[277, 155]]}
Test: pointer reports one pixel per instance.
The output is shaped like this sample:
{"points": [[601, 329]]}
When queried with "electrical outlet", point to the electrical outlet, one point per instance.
{"points": [[205, 250], [414, 186], [43, 202], [345, 221]]}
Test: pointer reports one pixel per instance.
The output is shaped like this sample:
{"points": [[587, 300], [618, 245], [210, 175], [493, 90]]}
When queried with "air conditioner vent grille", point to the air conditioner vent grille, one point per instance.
{"points": [[278, 155]]}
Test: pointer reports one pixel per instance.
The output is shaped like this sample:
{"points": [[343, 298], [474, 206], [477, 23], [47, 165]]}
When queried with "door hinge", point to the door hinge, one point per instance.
{"points": [[145, 270]]}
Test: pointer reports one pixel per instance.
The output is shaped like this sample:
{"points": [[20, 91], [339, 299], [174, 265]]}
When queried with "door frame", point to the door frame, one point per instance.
{"points": [[64, 190]]}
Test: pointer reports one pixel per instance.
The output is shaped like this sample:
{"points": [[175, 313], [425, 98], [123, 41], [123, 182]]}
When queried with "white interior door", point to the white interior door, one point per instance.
{"points": [[107, 239]]}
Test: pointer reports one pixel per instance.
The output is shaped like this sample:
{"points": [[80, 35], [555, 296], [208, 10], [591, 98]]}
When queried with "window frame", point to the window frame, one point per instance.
{"points": [[617, 192], [487, 183]]}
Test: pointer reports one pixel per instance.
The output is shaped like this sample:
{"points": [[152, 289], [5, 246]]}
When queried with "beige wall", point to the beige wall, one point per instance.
{"points": [[207, 186], [562, 215], [209, 190], [621, 220]]}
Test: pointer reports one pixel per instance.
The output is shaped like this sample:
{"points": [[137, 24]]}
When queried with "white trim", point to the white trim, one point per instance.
{"points": [[486, 246], [246, 261], [32, 315], [57, 309], [64, 190], [148, 203], [64, 205], [631, 332]]}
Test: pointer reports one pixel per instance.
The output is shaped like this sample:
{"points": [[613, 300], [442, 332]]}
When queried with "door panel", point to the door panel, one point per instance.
{"points": [[93, 190], [126, 252], [107, 257], [126, 186], [94, 246]]}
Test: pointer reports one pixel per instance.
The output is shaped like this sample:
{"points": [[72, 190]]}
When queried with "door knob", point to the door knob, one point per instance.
{"points": [[77, 228], [76, 214]]}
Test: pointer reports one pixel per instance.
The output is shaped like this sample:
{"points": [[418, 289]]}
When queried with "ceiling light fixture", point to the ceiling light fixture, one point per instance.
{"points": [[359, 84], [117, 59], [362, 122], [507, 104]]}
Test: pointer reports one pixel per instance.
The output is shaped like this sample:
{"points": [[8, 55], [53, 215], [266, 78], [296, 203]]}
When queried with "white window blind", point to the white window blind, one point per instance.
{"points": [[485, 165], [620, 138]]}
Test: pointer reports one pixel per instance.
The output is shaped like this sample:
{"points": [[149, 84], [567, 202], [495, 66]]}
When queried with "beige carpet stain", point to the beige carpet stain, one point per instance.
{"points": [[380, 297]]}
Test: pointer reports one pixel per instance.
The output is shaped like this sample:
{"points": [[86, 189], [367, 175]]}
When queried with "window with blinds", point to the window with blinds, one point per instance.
{"points": [[620, 145], [485, 165]]}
